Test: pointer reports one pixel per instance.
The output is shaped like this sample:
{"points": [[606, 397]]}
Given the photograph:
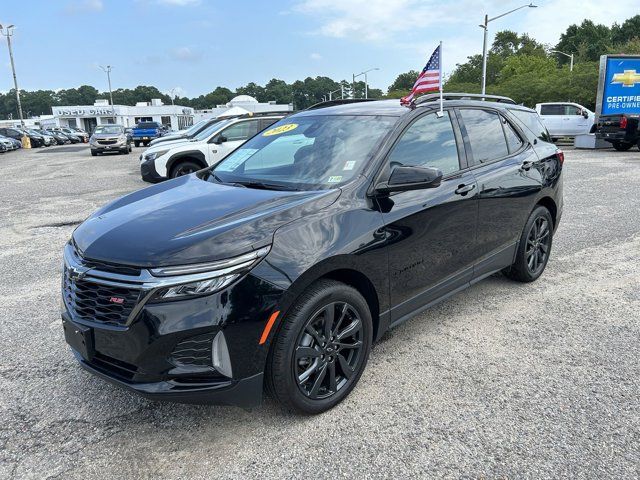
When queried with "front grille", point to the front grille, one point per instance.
{"points": [[194, 351], [107, 142], [93, 302], [110, 267]]}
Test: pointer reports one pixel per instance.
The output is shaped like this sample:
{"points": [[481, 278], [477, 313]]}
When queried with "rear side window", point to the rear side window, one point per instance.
{"points": [[514, 142], [428, 142], [532, 122], [484, 130], [552, 110]]}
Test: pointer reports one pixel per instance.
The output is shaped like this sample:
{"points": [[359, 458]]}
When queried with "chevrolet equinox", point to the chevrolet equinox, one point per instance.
{"points": [[279, 267]]}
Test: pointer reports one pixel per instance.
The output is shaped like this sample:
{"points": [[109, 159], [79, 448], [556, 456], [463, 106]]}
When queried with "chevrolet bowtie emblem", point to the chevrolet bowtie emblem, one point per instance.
{"points": [[78, 273], [628, 79]]}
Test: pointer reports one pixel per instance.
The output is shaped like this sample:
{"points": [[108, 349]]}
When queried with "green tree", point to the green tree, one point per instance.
{"points": [[587, 41], [629, 30]]}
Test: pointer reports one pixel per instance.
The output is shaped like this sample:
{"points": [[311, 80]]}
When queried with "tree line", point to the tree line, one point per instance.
{"points": [[518, 66]]}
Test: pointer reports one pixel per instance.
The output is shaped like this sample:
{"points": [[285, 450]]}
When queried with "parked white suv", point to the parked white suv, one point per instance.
{"points": [[184, 156], [565, 119]]}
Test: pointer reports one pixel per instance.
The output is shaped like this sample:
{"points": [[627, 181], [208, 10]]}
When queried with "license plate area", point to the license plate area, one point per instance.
{"points": [[80, 338]]}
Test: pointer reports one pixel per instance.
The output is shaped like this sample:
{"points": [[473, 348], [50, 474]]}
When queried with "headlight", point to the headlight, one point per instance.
{"points": [[122, 138], [154, 155], [203, 278]]}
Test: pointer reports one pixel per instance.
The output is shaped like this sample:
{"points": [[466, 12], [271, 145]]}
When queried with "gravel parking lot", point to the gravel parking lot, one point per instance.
{"points": [[501, 381]]}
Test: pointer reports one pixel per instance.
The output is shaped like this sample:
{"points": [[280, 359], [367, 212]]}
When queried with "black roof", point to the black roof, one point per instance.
{"points": [[394, 109]]}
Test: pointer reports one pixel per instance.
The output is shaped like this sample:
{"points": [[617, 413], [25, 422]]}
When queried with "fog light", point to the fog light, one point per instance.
{"points": [[220, 355]]}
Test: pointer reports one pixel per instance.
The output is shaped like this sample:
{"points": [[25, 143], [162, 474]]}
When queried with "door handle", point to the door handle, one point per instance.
{"points": [[526, 165], [464, 189]]}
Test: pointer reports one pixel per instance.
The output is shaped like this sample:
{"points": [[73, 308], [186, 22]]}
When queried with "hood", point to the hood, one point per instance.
{"points": [[188, 220], [163, 145]]}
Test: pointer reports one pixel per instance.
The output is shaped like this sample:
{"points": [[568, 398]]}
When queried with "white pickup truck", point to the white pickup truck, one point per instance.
{"points": [[565, 119]]}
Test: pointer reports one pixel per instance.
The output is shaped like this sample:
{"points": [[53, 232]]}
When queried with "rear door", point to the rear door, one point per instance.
{"points": [[431, 232], [504, 165], [226, 141], [552, 115]]}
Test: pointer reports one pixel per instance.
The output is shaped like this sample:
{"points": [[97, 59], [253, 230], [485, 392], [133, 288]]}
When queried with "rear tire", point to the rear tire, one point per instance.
{"points": [[321, 349], [534, 247], [621, 146]]}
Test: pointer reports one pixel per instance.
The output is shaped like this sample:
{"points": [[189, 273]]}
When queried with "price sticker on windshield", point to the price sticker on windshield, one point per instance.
{"points": [[281, 129]]}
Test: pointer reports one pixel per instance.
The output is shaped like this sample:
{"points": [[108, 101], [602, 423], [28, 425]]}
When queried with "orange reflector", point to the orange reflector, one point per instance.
{"points": [[268, 326]]}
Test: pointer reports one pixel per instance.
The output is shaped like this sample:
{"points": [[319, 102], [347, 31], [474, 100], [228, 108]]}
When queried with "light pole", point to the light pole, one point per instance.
{"points": [[366, 88], [569, 55], [341, 89], [171, 92], [8, 34], [485, 26], [107, 70]]}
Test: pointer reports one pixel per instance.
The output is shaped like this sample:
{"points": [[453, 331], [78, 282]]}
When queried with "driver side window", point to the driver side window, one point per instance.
{"points": [[428, 142]]}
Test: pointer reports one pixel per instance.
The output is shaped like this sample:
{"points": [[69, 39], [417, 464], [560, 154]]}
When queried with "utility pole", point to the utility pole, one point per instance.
{"points": [[107, 70], [8, 34], [366, 87]]}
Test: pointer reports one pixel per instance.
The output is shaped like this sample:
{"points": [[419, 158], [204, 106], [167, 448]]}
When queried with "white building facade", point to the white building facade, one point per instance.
{"points": [[88, 117], [244, 102]]}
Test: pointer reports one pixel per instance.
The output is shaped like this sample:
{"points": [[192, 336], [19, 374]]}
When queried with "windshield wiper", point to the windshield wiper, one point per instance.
{"points": [[262, 185]]}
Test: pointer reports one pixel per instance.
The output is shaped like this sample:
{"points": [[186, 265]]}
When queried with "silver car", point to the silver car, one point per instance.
{"points": [[109, 138]]}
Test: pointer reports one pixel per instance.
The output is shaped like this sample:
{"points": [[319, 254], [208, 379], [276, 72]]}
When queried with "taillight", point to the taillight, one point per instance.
{"points": [[560, 155], [623, 122]]}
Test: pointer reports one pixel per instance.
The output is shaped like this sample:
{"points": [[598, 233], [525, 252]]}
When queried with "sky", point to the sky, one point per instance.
{"points": [[190, 47]]}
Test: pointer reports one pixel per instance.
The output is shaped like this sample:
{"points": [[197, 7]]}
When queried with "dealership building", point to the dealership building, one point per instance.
{"points": [[88, 117]]}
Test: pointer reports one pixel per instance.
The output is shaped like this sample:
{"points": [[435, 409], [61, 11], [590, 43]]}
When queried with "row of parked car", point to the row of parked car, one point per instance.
{"points": [[11, 137]]}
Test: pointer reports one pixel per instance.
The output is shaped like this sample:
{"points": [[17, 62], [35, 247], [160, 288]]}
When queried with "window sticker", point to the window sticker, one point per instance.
{"points": [[349, 165], [236, 159], [335, 179], [281, 129]]}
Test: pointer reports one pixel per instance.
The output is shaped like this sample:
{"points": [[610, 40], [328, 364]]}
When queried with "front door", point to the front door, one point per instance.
{"points": [[431, 232], [229, 139]]}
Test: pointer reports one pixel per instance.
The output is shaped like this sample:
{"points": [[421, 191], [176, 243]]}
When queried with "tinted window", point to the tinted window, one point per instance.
{"points": [[241, 131], [552, 110], [148, 125], [532, 122], [428, 142], [485, 134], [513, 139]]}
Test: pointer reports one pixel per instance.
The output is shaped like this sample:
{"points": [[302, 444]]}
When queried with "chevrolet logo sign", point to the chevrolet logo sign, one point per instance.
{"points": [[628, 79]]}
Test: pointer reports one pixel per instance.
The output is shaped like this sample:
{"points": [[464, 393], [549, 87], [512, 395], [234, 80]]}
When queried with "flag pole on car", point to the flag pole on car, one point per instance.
{"points": [[429, 80]]}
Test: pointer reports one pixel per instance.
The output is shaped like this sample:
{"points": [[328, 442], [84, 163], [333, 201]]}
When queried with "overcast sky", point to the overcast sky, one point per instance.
{"points": [[196, 45]]}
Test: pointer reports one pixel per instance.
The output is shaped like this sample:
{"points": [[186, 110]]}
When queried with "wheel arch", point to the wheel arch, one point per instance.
{"points": [[193, 155], [550, 205]]}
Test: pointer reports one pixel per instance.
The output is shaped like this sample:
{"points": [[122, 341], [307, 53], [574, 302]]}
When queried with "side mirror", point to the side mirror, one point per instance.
{"points": [[220, 139], [585, 113], [405, 178]]}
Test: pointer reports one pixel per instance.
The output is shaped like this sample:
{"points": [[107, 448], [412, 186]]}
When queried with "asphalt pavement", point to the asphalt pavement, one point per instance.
{"points": [[503, 380]]}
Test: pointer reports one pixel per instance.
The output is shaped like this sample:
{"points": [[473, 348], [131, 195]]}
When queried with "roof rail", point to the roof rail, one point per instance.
{"points": [[339, 101], [432, 97]]}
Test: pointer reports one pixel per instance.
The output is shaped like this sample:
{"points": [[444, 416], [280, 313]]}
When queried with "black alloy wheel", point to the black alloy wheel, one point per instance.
{"points": [[320, 349], [184, 168], [328, 350], [534, 247], [538, 245]]}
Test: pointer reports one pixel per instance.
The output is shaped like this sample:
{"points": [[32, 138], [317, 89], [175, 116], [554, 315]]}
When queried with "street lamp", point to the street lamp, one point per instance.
{"points": [[366, 88], [569, 55], [8, 34], [107, 70], [341, 90], [485, 26], [172, 94]]}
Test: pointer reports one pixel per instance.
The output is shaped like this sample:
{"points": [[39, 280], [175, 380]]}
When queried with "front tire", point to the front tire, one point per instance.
{"points": [[621, 146], [534, 247], [321, 349], [137, 144], [94, 153], [184, 168]]}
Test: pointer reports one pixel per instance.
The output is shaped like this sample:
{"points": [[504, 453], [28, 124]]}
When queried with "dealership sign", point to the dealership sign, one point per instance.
{"points": [[619, 85], [82, 111]]}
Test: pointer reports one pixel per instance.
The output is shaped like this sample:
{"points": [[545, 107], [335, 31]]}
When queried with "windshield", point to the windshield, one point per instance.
{"points": [[309, 152], [210, 130], [109, 129], [195, 127], [147, 125]]}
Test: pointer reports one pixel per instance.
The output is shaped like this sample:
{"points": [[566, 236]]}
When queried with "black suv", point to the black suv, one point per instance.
{"points": [[280, 266]]}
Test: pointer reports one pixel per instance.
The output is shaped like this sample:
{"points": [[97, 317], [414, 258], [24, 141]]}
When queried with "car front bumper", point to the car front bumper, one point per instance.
{"points": [[149, 172], [121, 146]]}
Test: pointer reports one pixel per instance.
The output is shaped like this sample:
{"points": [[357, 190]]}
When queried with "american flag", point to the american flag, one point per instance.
{"points": [[429, 78]]}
